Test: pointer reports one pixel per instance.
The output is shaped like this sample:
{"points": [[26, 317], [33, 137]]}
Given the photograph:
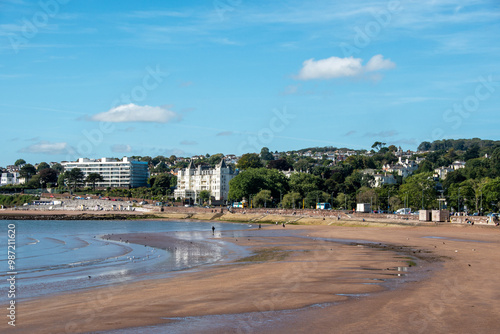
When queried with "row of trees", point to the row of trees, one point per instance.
{"points": [[475, 187]]}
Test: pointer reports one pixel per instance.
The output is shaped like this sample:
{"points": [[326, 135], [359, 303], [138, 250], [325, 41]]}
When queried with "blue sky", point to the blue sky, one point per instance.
{"points": [[119, 78]]}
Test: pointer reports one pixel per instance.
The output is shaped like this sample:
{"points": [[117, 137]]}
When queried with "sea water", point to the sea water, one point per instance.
{"points": [[56, 256]]}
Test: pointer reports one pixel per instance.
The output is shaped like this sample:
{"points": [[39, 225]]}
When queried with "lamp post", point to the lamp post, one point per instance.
{"points": [[458, 201], [481, 212], [422, 198]]}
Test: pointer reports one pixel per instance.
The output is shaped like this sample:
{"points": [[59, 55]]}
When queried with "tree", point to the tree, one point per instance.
{"points": [[262, 199], [74, 177], [41, 166], [93, 178], [58, 168], [61, 180], [316, 196], [34, 182], [425, 167], [303, 165], [420, 191], [19, 162], [279, 164], [367, 195], [163, 181], [215, 159], [291, 200], [249, 160], [266, 155], [472, 152], [48, 175], [378, 145], [495, 161], [424, 146], [204, 196], [342, 201], [251, 181], [304, 183], [491, 194], [27, 171]]}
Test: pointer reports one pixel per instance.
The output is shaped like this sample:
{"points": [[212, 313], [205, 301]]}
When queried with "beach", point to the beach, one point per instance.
{"points": [[314, 279]]}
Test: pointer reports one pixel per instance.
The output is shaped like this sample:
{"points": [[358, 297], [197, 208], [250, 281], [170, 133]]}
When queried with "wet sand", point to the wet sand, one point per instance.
{"points": [[452, 286]]}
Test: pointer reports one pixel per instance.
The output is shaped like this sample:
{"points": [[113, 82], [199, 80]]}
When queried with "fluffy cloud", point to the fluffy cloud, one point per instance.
{"points": [[335, 67], [378, 63], [121, 148], [134, 113], [47, 148]]}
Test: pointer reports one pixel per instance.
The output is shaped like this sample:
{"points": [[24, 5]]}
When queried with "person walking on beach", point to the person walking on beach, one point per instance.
{"points": [[283, 225], [213, 229]]}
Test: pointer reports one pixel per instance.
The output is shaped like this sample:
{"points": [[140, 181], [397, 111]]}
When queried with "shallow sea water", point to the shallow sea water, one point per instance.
{"points": [[57, 256]]}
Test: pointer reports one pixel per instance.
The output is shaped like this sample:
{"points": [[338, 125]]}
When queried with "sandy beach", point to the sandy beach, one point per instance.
{"points": [[450, 286]]}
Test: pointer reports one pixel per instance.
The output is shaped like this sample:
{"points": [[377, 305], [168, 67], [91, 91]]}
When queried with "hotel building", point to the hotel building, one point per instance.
{"points": [[126, 173], [192, 180]]}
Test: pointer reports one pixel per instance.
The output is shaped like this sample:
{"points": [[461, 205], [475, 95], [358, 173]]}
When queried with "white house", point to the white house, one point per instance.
{"points": [[193, 180], [381, 179], [9, 178]]}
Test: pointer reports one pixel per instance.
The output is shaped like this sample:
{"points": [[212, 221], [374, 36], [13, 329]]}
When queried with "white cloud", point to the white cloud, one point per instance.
{"points": [[335, 67], [134, 113], [121, 148], [48, 148], [378, 63]]}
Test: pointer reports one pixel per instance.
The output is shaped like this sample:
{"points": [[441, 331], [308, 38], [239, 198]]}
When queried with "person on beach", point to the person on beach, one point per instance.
{"points": [[260, 226], [283, 225], [213, 229]]}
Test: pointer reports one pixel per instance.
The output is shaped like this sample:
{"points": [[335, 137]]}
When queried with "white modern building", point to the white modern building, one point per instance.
{"points": [[193, 180], [9, 178], [125, 173]]}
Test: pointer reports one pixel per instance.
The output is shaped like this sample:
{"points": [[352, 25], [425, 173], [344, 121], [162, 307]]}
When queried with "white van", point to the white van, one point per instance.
{"points": [[403, 211]]}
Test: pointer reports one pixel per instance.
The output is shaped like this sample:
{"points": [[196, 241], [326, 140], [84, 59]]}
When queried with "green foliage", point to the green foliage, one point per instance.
{"points": [[204, 196], [266, 155], [74, 177], [253, 180], [93, 178], [16, 200], [316, 196], [304, 183], [19, 162], [249, 160], [491, 195], [303, 165], [48, 175], [165, 181], [292, 200], [262, 199], [41, 166], [27, 171], [280, 164], [58, 168], [420, 189], [215, 159]]}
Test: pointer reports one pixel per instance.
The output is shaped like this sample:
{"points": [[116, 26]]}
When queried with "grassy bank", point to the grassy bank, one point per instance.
{"points": [[16, 200]]}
